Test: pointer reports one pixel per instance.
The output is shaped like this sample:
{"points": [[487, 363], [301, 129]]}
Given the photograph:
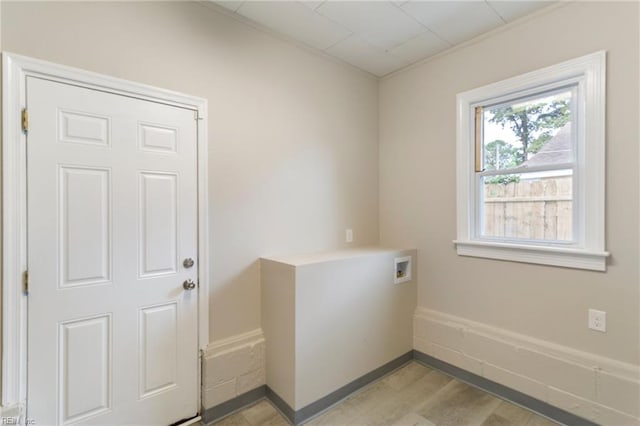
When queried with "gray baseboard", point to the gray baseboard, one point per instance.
{"points": [[315, 408], [239, 402], [298, 417], [541, 407], [304, 414], [284, 408]]}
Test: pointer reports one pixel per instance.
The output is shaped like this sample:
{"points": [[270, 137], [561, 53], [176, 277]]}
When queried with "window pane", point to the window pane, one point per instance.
{"points": [[530, 133], [531, 206]]}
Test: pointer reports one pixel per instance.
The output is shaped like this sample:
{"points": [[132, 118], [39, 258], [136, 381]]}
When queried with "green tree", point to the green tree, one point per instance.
{"points": [[532, 123], [499, 154]]}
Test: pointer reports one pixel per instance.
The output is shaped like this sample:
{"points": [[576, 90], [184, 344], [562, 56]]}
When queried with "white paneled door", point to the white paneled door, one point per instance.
{"points": [[112, 224]]}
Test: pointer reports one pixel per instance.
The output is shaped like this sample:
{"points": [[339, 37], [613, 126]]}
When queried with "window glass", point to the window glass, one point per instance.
{"points": [[531, 206], [526, 177], [518, 134]]}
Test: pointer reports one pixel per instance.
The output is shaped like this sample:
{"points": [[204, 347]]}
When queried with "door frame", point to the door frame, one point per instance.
{"points": [[15, 70]]}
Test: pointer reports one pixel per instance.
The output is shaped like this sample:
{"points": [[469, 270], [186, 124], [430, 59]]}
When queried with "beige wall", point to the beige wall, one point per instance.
{"points": [[417, 183], [293, 136]]}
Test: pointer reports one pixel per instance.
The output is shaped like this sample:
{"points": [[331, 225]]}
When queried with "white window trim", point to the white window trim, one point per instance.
{"points": [[589, 250]]}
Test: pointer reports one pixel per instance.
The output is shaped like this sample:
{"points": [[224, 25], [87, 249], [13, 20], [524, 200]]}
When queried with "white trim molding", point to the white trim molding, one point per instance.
{"points": [[597, 388], [587, 250], [232, 343], [16, 69], [544, 255]]}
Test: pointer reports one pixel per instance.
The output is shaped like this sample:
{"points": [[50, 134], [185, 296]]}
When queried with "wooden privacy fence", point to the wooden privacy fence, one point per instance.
{"points": [[538, 209]]}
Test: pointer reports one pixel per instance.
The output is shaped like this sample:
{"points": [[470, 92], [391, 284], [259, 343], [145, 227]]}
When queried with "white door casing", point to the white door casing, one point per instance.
{"points": [[113, 210]]}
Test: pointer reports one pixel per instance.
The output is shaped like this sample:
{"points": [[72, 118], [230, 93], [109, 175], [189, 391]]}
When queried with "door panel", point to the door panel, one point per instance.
{"points": [[81, 127], [158, 224], [112, 211], [158, 348], [85, 368], [157, 138], [84, 226]]}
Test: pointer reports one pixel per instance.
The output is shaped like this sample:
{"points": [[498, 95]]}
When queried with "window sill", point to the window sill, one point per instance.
{"points": [[542, 255]]}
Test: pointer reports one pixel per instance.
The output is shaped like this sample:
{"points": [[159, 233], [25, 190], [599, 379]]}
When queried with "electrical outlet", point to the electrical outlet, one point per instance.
{"points": [[597, 320], [348, 235]]}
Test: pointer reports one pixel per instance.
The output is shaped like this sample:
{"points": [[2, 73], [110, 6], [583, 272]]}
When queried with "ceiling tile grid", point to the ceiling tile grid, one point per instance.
{"points": [[363, 55], [381, 24], [382, 36], [454, 21], [295, 20]]}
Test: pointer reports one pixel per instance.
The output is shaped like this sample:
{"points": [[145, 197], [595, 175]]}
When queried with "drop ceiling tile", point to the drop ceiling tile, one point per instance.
{"points": [[419, 47], [366, 57], [454, 21], [312, 4], [296, 21], [232, 5], [379, 23], [512, 10]]}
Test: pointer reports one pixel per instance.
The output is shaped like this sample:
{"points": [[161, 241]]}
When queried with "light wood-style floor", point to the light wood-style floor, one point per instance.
{"points": [[412, 395]]}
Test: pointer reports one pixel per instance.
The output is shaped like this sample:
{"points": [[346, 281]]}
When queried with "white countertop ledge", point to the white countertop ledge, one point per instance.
{"points": [[300, 259]]}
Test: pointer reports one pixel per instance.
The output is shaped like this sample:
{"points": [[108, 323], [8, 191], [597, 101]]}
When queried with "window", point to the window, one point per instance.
{"points": [[530, 173], [525, 154]]}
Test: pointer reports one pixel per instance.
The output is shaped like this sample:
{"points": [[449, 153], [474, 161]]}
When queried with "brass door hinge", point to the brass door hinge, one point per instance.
{"points": [[25, 282], [25, 120]]}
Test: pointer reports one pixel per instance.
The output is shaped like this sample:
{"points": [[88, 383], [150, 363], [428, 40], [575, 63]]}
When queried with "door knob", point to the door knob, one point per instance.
{"points": [[189, 284], [188, 262]]}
